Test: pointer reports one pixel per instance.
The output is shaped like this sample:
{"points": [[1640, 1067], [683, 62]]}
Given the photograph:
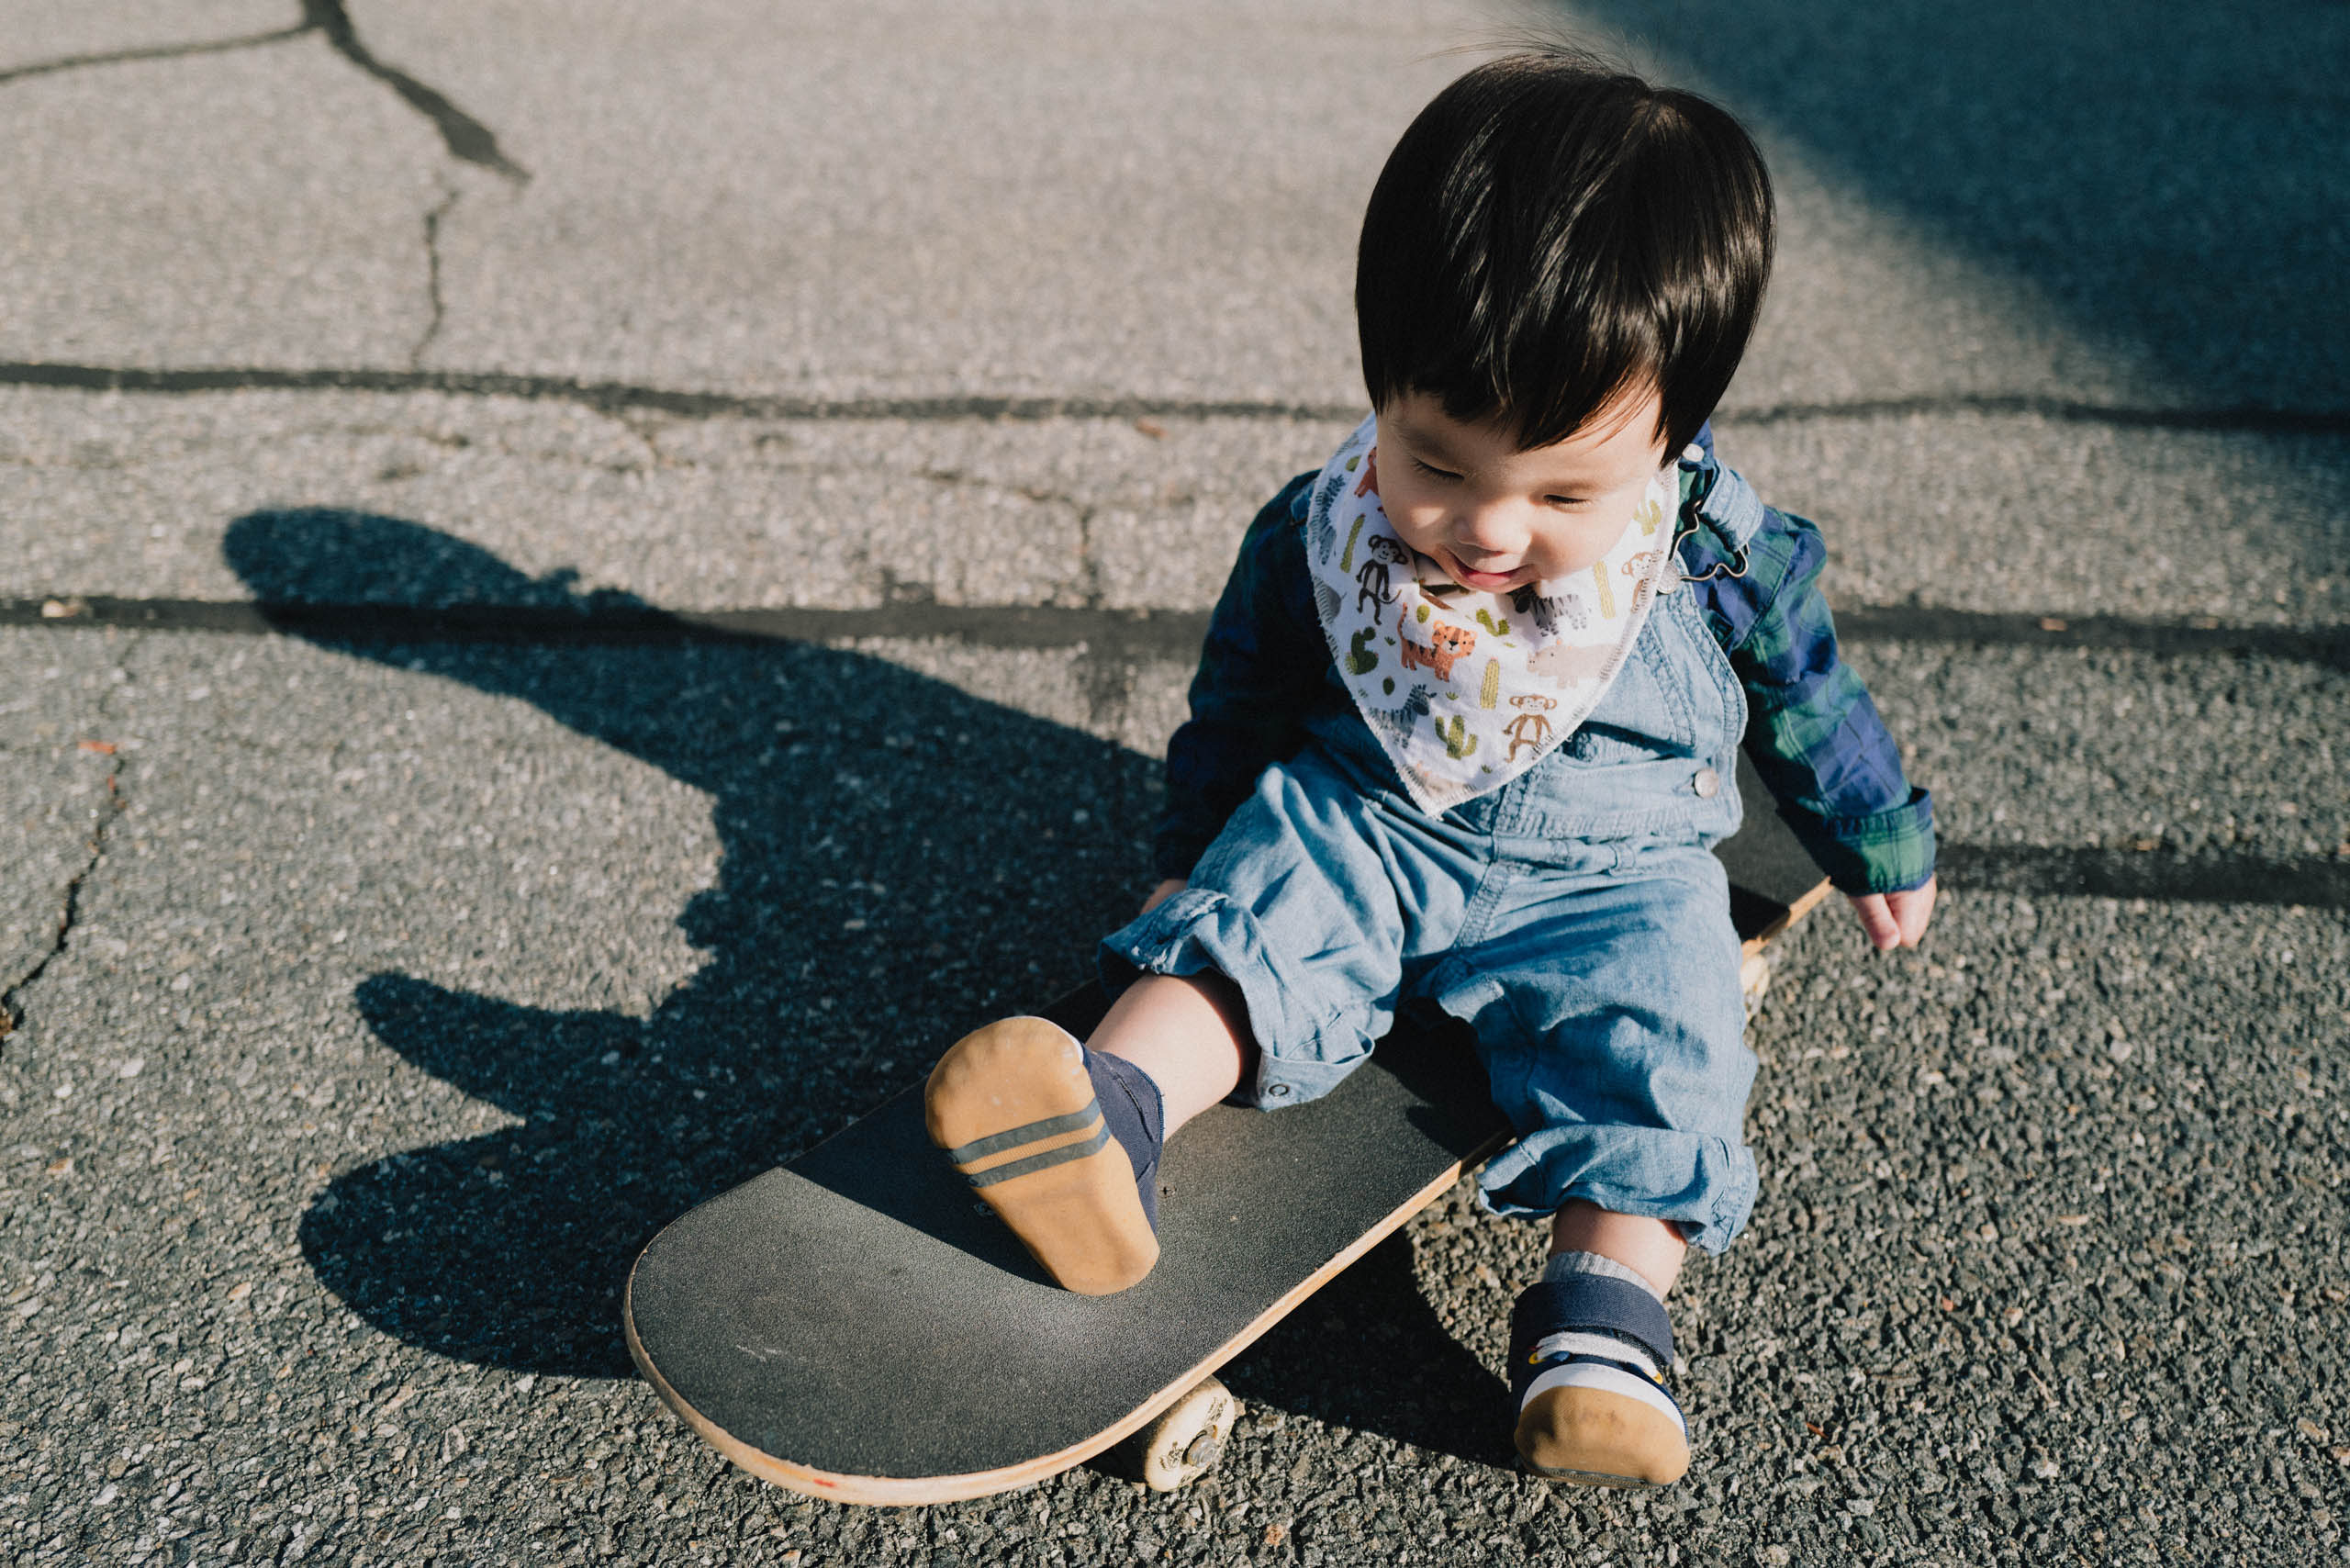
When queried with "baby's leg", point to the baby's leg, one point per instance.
{"points": [[1652, 1249], [1287, 939], [1625, 1070], [1189, 1033]]}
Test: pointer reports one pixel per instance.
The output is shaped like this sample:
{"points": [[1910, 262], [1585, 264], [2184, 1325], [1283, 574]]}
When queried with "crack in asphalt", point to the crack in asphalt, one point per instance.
{"points": [[154, 51], [466, 138], [1109, 682], [614, 396], [11, 1015], [439, 308]]}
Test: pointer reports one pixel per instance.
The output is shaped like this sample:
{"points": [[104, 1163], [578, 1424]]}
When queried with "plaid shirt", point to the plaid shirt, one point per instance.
{"points": [[1813, 733]]}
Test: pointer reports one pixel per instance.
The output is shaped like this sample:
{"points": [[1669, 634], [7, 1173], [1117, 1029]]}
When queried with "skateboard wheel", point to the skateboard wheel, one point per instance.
{"points": [[1188, 1438], [1754, 979]]}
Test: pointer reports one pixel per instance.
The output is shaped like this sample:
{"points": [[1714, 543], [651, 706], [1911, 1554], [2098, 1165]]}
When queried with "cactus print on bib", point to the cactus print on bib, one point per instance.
{"points": [[1467, 691]]}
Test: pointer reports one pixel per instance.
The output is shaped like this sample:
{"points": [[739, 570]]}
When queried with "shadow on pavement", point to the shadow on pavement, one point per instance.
{"points": [[825, 768], [2162, 172], [1006, 845], [1369, 1353]]}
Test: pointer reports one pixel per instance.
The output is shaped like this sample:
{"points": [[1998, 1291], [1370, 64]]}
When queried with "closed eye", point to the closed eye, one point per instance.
{"points": [[1434, 473]]}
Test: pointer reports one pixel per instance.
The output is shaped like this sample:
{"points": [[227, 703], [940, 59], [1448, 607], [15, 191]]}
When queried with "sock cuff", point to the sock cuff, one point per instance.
{"points": [[1566, 1265], [1138, 1088]]}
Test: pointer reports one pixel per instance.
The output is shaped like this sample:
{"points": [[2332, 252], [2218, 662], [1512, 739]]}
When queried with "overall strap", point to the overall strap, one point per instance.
{"points": [[1720, 515]]}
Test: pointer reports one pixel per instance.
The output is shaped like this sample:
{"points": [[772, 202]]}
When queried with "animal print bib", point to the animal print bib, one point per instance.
{"points": [[1466, 690]]}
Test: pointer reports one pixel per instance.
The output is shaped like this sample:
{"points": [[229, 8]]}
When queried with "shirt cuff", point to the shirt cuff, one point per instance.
{"points": [[1890, 851]]}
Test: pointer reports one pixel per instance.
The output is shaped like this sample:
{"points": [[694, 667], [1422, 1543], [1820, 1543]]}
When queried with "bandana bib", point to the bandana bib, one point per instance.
{"points": [[1466, 690]]}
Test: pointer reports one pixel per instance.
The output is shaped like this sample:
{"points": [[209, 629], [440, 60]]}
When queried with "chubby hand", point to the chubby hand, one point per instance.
{"points": [[1161, 893], [1895, 920]]}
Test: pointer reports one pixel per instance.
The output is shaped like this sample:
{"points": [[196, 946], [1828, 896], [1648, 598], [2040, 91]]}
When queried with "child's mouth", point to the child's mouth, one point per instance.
{"points": [[1469, 576]]}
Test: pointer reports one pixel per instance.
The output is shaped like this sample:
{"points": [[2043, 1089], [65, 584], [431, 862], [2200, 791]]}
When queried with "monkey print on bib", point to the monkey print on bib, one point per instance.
{"points": [[1466, 690]]}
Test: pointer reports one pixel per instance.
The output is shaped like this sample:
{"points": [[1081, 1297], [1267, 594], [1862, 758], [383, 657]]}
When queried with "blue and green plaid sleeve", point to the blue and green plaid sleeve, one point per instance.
{"points": [[1260, 670], [1814, 734]]}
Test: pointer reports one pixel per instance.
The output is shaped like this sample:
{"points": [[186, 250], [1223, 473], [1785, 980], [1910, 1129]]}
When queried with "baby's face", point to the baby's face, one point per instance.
{"points": [[1497, 518]]}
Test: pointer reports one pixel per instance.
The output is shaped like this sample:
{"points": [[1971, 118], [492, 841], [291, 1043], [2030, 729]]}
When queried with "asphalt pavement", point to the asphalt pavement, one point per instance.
{"points": [[849, 410]]}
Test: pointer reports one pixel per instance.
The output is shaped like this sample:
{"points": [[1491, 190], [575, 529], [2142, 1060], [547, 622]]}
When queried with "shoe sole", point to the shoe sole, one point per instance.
{"points": [[1014, 1110], [1588, 1437]]}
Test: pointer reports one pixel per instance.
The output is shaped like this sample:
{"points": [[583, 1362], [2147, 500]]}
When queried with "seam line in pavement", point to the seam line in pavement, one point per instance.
{"points": [[2032, 869], [1169, 634], [2239, 418], [609, 396], [1118, 640]]}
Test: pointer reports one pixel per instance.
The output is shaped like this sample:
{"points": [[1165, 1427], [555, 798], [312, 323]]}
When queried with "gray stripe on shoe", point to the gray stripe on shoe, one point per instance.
{"points": [[1051, 1126], [1043, 1161]]}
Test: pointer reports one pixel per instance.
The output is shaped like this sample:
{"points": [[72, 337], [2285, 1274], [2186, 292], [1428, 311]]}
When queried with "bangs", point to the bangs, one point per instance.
{"points": [[1549, 236]]}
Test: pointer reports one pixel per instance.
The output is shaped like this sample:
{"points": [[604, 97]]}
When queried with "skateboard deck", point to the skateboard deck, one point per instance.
{"points": [[856, 1325]]}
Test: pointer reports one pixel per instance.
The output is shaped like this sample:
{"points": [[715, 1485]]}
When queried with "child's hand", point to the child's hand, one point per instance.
{"points": [[1895, 920], [1161, 893]]}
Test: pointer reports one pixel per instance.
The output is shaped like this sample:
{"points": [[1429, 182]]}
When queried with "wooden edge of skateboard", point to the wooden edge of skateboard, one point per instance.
{"points": [[1780, 928], [905, 1491]]}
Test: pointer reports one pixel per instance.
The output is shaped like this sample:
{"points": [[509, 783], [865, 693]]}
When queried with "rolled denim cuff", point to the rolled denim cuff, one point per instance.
{"points": [[1705, 1186], [1302, 1054]]}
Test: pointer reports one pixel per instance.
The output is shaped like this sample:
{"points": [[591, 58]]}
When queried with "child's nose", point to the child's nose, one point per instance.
{"points": [[1493, 530]]}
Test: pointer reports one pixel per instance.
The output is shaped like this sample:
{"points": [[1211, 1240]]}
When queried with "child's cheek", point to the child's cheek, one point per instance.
{"points": [[1418, 525]]}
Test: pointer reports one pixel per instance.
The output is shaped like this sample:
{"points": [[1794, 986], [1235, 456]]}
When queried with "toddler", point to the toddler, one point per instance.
{"points": [[1464, 736]]}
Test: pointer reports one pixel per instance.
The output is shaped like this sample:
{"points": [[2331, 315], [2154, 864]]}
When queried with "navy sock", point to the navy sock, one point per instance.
{"points": [[1136, 1117]]}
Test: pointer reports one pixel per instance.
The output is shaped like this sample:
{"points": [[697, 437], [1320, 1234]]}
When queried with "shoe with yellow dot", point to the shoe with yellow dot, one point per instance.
{"points": [[1587, 1359]]}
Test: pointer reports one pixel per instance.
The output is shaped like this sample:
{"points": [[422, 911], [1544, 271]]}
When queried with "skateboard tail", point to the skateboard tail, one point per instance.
{"points": [[910, 1491]]}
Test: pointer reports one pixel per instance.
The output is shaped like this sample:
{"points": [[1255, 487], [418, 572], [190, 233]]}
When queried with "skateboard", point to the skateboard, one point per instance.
{"points": [[856, 1325]]}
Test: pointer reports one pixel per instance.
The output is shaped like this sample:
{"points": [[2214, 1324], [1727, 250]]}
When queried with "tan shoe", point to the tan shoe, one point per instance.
{"points": [[1015, 1109], [1591, 1410], [1593, 1436]]}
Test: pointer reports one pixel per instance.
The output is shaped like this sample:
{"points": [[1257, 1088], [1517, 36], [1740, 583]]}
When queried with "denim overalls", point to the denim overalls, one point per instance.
{"points": [[1575, 918]]}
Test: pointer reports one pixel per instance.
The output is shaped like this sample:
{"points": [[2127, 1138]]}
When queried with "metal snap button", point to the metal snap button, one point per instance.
{"points": [[1276, 1091], [1707, 784]]}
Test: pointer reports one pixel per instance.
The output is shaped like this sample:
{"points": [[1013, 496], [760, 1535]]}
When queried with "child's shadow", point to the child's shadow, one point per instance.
{"points": [[900, 862]]}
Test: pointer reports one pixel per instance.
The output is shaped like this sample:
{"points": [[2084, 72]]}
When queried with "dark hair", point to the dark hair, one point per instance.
{"points": [[1551, 232]]}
